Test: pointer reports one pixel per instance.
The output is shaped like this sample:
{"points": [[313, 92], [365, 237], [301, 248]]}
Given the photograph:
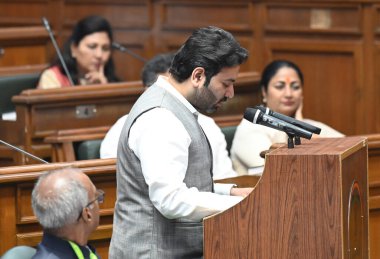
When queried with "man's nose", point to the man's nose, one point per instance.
{"points": [[230, 91]]}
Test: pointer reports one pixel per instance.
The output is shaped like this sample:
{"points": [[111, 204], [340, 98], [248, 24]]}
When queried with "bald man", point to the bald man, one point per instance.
{"points": [[66, 204]]}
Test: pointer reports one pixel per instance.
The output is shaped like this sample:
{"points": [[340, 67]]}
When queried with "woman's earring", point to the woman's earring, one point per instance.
{"points": [[264, 100]]}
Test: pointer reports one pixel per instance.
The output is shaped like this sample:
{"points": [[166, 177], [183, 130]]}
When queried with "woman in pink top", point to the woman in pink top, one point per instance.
{"points": [[87, 55]]}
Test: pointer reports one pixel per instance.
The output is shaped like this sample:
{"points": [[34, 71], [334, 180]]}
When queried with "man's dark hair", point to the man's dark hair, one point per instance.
{"points": [[211, 48], [84, 27], [157, 65]]}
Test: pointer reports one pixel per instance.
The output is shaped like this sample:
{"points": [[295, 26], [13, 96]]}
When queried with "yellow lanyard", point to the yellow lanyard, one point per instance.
{"points": [[79, 253]]}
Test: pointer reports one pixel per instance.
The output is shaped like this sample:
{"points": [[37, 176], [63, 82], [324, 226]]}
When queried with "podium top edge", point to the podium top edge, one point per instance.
{"points": [[324, 146]]}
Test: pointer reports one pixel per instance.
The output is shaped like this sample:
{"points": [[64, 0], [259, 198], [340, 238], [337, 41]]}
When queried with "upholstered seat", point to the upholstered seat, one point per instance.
{"points": [[19, 252], [89, 149], [14, 85], [229, 133]]}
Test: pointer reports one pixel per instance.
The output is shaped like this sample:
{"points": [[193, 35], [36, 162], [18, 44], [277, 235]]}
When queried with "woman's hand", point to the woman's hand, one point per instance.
{"points": [[96, 77], [299, 115]]}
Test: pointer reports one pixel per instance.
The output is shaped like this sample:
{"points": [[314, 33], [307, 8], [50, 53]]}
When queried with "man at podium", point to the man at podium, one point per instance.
{"points": [[164, 168]]}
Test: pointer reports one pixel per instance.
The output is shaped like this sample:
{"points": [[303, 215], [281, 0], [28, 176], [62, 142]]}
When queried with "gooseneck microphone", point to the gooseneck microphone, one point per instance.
{"points": [[47, 27], [24, 152], [290, 120], [121, 48], [257, 117]]}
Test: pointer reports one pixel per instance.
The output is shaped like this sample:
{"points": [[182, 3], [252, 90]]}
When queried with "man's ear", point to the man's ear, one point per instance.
{"points": [[198, 76], [87, 215]]}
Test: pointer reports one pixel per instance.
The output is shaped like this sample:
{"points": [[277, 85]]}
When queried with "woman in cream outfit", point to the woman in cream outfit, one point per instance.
{"points": [[282, 87]]}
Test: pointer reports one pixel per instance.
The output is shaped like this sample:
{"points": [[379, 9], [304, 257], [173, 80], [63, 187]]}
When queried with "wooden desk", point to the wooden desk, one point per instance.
{"points": [[41, 113]]}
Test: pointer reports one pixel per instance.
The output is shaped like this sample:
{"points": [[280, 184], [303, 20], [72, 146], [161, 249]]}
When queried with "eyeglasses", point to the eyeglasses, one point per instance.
{"points": [[99, 194]]}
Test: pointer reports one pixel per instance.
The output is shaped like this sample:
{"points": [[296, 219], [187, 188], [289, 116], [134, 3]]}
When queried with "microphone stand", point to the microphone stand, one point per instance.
{"points": [[24, 152], [47, 27], [120, 47]]}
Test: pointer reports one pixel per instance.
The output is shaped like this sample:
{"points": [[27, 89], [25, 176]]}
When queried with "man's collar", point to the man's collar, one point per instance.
{"points": [[164, 83]]}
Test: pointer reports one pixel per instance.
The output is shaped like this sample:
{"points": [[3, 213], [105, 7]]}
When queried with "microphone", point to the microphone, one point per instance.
{"points": [[121, 48], [290, 120], [257, 117], [47, 27], [24, 152]]}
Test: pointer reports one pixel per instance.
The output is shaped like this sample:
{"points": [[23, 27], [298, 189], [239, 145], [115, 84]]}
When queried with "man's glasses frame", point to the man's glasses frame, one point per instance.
{"points": [[99, 196]]}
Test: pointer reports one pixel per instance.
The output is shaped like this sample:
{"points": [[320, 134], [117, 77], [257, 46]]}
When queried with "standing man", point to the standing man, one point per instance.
{"points": [[164, 167], [65, 202], [160, 65]]}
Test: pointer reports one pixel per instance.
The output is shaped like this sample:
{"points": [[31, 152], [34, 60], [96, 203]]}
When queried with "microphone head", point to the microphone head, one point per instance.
{"points": [[252, 114], [263, 109], [288, 119]]}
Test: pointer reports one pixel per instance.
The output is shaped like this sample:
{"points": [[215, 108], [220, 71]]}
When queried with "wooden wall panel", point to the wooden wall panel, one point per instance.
{"points": [[187, 15], [25, 49], [309, 17], [375, 89], [22, 13]]}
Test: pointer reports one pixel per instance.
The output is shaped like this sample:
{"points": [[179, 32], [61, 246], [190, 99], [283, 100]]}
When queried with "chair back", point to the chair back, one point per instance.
{"points": [[89, 149], [14, 85], [229, 133], [19, 252]]}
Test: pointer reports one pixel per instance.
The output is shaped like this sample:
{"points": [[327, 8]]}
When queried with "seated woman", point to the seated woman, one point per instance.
{"points": [[281, 87], [87, 55]]}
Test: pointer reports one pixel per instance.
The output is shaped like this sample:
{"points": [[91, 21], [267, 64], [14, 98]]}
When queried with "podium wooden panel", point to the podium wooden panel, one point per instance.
{"points": [[311, 202]]}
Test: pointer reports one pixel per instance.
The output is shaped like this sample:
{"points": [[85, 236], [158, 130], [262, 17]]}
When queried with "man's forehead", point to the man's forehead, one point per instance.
{"points": [[228, 74]]}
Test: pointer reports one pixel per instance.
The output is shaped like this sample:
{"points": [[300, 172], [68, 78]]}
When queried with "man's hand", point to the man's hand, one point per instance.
{"points": [[240, 191]]}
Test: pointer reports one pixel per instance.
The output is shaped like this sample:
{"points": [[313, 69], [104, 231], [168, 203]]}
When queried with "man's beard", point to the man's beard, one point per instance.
{"points": [[206, 101]]}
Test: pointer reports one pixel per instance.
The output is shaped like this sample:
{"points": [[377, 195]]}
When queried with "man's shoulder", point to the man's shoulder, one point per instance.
{"points": [[43, 253]]}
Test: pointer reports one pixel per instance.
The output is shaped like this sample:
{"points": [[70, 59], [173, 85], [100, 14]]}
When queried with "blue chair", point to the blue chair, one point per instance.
{"points": [[19, 252]]}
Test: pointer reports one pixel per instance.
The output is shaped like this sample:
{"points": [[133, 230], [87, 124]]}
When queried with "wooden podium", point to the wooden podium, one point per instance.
{"points": [[311, 202]]}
